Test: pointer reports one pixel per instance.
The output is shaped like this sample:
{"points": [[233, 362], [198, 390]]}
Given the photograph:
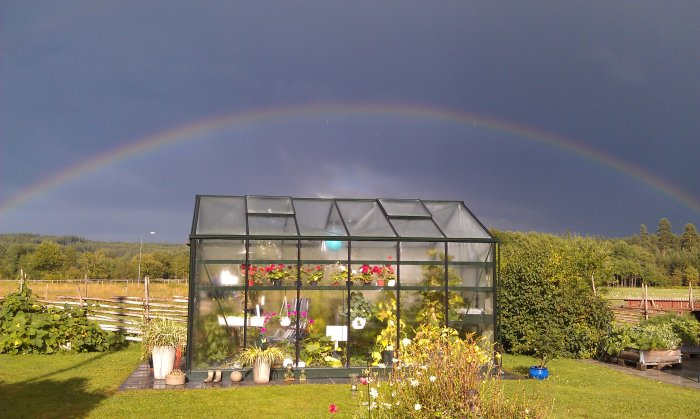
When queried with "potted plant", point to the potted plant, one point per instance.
{"points": [[366, 274], [545, 344], [161, 337], [360, 311], [277, 274], [254, 273], [261, 360], [313, 275], [339, 273], [175, 377]]}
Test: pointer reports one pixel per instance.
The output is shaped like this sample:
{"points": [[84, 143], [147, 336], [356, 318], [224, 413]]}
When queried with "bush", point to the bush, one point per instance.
{"points": [[545, 292], [28, 327], [440, 375]]}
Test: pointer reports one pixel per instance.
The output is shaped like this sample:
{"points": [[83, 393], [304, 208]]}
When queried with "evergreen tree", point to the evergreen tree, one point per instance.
{"points": [[690, 240], [667, 239]]}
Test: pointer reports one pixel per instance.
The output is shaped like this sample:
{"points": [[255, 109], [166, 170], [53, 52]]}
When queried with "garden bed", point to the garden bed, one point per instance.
{"points": [[654, 358]]}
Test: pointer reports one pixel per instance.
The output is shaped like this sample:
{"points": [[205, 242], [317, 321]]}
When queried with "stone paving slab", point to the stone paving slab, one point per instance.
{"points": [[686, 375], [142, 379]]}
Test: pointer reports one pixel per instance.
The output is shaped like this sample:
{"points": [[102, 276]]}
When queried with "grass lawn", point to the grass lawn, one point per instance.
{"points": [[85, 385], [618, 293]]}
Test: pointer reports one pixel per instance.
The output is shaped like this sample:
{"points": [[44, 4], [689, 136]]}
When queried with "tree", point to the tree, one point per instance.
{"points": [[48, 260], [677, 276], [150, 265], [690, 274], [690, 240], [644, 239], [94, 264], [667, 240]]}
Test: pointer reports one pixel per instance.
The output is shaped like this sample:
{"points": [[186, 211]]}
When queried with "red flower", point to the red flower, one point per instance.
{"points": [[333, 408], [376, 269], [365, 269], [319, 267]]}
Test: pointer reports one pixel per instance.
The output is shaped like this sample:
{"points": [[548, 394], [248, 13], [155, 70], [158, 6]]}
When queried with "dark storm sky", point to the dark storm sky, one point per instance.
{"points": [[83, 79]]}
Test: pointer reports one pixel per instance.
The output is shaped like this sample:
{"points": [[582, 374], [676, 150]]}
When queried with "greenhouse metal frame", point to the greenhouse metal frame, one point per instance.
{"points": [[338, 283]]}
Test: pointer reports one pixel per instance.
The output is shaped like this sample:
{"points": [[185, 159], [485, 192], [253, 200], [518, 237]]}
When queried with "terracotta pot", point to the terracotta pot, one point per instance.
{"points": [[175, 380], [236, 376]]}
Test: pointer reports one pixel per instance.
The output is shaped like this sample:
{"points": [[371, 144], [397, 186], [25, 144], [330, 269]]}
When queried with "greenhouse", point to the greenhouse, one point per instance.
{"points": [[337, 284]]}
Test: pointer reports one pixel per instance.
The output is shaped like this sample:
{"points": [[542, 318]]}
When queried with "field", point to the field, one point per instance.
{"points": [[84, 385], [619, 293], [49, 290]]}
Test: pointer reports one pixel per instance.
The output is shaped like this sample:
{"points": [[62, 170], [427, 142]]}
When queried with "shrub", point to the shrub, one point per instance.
{"points": [[440, 375], [544, 290], [27, 327]]}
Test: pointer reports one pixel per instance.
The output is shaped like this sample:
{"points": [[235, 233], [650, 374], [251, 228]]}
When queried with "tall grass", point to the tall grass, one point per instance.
{"points": [[50, 291]]}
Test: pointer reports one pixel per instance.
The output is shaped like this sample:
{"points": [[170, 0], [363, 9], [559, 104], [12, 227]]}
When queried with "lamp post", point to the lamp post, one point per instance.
{"points": [[138, 279], [145, 283]]}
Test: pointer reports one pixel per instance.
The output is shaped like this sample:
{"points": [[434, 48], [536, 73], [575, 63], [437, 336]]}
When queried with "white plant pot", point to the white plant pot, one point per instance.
{"points": [[163, 361], [285, 321], [261, 372]]}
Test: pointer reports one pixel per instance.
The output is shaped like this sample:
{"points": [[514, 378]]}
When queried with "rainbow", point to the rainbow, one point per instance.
{"points": [[196, 131]]}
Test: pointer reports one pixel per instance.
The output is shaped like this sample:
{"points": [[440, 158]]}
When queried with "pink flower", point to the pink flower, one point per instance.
{"points": [[303, 314], [263, 330], [311, 321], [332, 408], [363, 380]]}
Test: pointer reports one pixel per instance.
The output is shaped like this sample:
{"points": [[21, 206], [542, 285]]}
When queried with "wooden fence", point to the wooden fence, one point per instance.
{"points": [[124, 314]]}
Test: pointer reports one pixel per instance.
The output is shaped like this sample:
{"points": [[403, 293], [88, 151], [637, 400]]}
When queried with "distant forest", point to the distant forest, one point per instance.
{"points": [[72, 257], [661, 258]]}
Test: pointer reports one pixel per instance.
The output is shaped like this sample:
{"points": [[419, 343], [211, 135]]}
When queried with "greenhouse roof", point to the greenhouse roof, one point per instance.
{"points": [[284, 217]]}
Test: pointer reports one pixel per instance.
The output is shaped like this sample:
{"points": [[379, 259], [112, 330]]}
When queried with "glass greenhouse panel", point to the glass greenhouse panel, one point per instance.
{"points": [[318, 217], [324, 250], [476, 316], [324, 338], [374, 252], [274, 317], [220, 250], [471, 276], [470, 252], [422, 252], [404, 208], [264, 251], [221, 215], [409, 227], [424, 306], [427, 275], [262, 225], [217, 327], [220, 274], [270, 205], [373, 325], [455, 221], [365, 218]]}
